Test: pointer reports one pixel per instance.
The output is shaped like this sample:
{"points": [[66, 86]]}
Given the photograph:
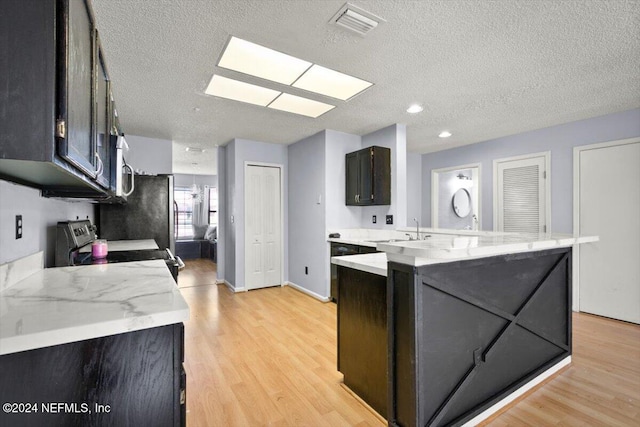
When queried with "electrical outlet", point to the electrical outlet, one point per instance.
{"points": [[374, 219], [389, 219], [18, 226], [306, 270]]}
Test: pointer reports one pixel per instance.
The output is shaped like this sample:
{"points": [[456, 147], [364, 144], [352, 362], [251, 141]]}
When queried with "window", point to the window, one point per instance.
{"points": [[184, 218], [213, 206]]}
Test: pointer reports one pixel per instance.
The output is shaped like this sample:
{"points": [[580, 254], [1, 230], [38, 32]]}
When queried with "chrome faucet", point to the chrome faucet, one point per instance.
{"points": [[417, 229]]}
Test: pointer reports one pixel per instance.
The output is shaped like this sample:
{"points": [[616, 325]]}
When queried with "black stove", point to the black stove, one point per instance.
{"points": [[74, 235]]}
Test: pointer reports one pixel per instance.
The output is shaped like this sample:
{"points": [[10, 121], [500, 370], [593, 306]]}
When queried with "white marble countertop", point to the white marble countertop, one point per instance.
{"points": [[60, 305], [125, 245], [446, 247], [375, 263], [372, 237], [442, 245]]}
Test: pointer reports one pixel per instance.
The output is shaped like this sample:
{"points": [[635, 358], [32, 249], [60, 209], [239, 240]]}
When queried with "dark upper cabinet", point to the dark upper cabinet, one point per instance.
{"points": [[368, 177], [54, 98], [76, 109], [102, 106]]}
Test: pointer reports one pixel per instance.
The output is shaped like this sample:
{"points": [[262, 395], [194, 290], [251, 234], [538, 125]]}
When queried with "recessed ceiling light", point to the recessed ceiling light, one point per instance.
{"points": [[415, 108], [445, 134], [240, 91], [300, 105], [195, 149], [250, 58], [331, 83]]}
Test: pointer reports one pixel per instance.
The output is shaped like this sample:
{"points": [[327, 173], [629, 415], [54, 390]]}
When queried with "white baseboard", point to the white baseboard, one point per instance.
{"points": [[519, 392], [233, 288], [307, 291]]}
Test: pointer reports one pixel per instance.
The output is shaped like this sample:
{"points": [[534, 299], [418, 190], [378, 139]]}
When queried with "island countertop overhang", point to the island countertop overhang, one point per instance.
{"points": [[441, 248]]}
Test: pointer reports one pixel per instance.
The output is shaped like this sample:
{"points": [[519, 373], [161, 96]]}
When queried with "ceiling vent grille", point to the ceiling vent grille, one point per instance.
{"points": [[355, 19]]}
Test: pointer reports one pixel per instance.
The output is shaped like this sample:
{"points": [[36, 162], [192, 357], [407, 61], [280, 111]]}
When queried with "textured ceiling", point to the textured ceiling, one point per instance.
{"points": [[481, 69]]}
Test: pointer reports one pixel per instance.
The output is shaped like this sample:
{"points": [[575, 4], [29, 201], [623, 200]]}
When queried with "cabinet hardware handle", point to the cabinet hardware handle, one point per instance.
{"points": [[100, 165], [61, 129]]}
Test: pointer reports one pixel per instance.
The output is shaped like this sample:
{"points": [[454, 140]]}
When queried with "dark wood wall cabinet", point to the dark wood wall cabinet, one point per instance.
{"points": [[130, 379], [57, 114], [368, 177]]}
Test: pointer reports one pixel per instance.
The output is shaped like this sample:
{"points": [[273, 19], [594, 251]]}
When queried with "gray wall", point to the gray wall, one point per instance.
{"points": [[240, 151], [229, 223], [414, 188], [307, 214], [39, 215], [187, 180], [339, 215], [560, 140], [449, 184], [151, 155], [223, 215], [395, 138]]}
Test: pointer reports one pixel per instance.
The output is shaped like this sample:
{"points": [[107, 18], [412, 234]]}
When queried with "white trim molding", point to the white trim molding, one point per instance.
{"points": [[233, 288], [307, 291], [575, 260], [279, 166], [547, 184]]}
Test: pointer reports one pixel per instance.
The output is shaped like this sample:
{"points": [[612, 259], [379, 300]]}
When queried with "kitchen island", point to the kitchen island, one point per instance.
{"points": [[472, 321], [91, 345]]}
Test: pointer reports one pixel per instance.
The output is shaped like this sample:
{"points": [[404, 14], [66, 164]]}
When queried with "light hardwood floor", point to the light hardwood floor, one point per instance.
{"points": [[268, 357]]}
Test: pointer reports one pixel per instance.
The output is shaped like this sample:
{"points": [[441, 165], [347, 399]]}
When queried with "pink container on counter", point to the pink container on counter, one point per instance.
{"points": [[99, 249]]}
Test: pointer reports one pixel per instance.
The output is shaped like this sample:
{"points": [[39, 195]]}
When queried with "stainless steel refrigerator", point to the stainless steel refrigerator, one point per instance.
{"points": [[148, 213]]}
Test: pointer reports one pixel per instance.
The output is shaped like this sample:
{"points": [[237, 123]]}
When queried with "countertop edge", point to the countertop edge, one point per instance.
{"points": [[44, 339]]}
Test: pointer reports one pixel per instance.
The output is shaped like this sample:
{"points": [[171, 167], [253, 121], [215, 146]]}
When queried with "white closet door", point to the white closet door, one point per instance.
{"points": [[262, 227], [610, 208], [521, 195]]}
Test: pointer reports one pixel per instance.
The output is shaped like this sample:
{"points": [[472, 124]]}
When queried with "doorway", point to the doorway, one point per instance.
{"points": [[263, 226], [449, 186], [607, 204], [522, 194]]}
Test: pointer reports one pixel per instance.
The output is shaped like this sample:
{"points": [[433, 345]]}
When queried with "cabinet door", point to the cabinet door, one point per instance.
{"points": [[352, 175], [76, 144], [381, 176], [365, 176], [103, 113]]}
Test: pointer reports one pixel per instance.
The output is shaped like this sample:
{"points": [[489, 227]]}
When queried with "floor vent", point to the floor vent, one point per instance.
{"points": [[355, 19]]}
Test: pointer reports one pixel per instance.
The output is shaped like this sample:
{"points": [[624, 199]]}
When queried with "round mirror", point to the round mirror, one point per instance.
{"points": [[461, 203]]}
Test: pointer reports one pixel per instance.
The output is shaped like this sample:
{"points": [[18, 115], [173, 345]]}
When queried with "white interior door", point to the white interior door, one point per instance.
{"points": [[263, 237], [521, 193], [609, 207]]}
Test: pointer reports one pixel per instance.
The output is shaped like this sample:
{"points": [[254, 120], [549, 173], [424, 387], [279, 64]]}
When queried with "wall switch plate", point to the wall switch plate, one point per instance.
{"points": [[18, 226], [374, 219], [389, 219]]}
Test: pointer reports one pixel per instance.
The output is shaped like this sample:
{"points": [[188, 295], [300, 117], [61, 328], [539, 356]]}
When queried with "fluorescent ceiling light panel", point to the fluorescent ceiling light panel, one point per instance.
{"points": [[299, 105], [240, 91], [331, 83], [250, 58]]}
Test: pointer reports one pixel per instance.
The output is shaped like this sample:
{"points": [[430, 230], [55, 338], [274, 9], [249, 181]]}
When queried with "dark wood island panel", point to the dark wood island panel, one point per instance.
{"points": [[137, 377], [464, 335], [362, 335]]}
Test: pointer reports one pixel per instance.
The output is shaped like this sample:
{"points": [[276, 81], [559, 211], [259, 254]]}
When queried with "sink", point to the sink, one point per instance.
{"points": [[388, 240]]}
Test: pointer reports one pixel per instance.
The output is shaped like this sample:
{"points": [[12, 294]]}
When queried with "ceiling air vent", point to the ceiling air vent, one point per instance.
{"points": [[355, 19]]}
